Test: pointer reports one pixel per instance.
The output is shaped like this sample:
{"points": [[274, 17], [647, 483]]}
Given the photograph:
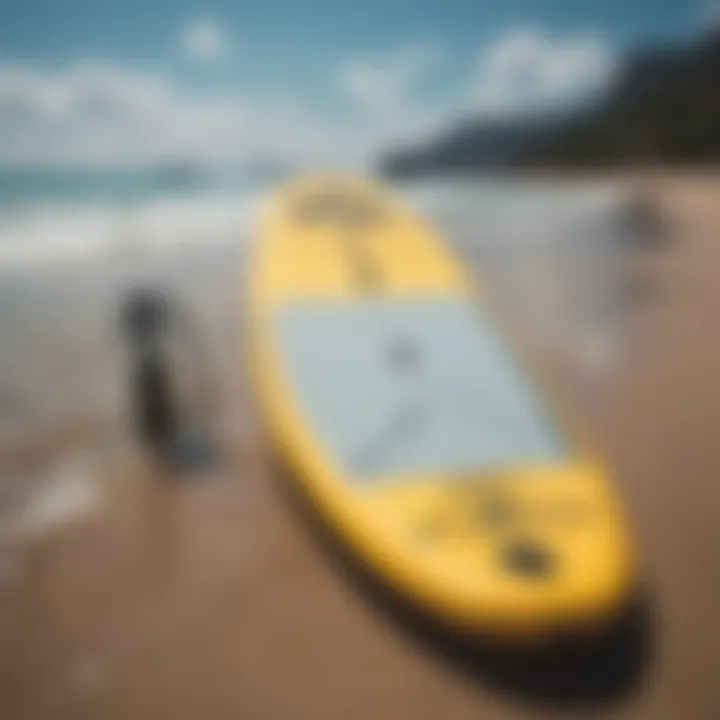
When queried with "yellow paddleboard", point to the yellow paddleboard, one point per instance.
{"points": [[394, 399]]}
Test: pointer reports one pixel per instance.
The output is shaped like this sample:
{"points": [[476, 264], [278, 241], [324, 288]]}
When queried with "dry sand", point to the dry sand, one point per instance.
{"points": [[212, 599]]}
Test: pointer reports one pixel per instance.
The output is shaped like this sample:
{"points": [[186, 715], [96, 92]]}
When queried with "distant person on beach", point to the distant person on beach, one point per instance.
{"points": [[176, 434], [143, 320]]}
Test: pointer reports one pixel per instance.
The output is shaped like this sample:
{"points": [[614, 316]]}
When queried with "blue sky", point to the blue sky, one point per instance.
{"points": [[334, 69]]}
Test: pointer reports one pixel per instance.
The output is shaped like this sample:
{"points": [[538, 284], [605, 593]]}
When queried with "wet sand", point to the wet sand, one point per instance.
{"points": [[212, 597]]}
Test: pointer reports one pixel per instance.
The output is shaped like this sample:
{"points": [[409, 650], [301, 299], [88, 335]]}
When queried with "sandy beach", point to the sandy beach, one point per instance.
{"points": [[130, 595]]}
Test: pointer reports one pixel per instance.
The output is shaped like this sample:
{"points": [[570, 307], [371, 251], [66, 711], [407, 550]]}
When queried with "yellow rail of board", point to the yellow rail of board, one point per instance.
{"points": [[439, 541]]}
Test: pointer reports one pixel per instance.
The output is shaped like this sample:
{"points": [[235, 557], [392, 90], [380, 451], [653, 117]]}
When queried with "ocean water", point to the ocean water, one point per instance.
{"points": [[82, 186], [73, 243]]}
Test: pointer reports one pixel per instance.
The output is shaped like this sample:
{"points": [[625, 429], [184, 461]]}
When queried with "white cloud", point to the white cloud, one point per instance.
{"points": [[204, 40], [96, 113], [381, 84], [527, 69], [386, 90]]}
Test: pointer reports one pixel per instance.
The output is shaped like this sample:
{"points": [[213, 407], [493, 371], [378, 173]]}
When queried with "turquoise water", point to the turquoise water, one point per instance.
{"points": [[32, 185]]}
